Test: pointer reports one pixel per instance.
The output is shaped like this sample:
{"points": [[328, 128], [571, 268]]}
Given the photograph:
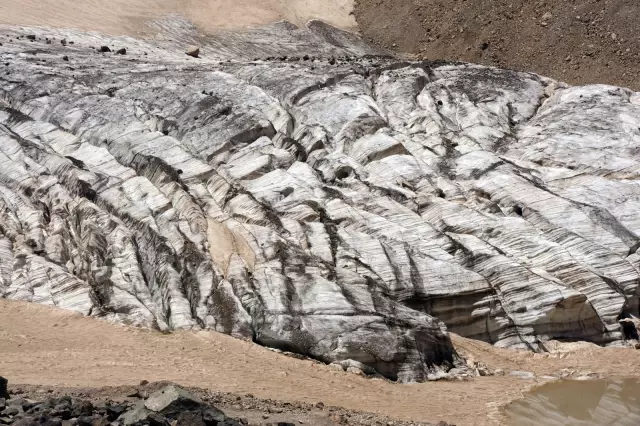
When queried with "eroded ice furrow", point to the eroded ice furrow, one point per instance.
{"points": [[346, 208]]}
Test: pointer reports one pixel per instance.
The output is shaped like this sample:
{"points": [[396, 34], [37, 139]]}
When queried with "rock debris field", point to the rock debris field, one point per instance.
{"points": [[298, 188]]}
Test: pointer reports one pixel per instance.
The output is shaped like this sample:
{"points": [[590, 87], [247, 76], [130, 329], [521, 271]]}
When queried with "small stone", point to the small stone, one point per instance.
{"points": [[498, 372], [193, 51], [31, 37], [122, 51], [547, 16], [355, 370], [63, 42], [614, 36], [65, 58], [11, 411], [104, 49], [81, 408], [523, 374], [320, 405]]}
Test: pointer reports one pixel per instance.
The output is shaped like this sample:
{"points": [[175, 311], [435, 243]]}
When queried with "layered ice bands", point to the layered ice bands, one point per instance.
{"points": [[316, 197]]}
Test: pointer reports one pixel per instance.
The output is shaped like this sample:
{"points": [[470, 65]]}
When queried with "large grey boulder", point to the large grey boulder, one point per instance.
{"points": [[347, 207], [171, 400]]}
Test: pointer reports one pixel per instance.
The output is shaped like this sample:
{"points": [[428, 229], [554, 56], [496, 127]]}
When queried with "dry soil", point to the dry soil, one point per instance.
{"points": [[46, 346], [577, 41]]}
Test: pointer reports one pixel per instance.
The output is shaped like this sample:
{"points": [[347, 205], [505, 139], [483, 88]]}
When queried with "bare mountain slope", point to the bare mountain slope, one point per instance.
{"points": [[578, 41]]}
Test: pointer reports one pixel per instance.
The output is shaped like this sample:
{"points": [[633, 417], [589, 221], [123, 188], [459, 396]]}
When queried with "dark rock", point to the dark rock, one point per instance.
{"points": [[11, 411], [27, 404], [122, 51], [63, 42], [144, 382], [193, 51], [91, 421], [3, 388], [63, 411], [104, 49], [212, 416], [31, 37], [81, 408], [156, 419], [115, 411], [65, 58], [3, 404], [191, 418]]}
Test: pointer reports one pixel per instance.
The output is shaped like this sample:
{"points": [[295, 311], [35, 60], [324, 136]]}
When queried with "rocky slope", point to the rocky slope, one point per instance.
{"points": [[296, 188], [577, 41]]}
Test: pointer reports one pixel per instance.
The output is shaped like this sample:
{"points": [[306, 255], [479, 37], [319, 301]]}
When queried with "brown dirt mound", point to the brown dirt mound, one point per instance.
{"points": [[577, 41]]}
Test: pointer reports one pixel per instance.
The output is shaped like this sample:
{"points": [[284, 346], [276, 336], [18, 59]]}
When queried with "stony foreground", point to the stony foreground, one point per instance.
{"points": [[166, 404], [292, 188]]}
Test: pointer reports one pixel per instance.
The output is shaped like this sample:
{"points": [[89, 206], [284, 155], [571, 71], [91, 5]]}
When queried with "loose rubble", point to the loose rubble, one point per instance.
{"points": [[162, 404]]}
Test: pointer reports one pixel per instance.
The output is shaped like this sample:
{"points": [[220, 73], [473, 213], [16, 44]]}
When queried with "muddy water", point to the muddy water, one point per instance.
{"points": [[574, 402]]}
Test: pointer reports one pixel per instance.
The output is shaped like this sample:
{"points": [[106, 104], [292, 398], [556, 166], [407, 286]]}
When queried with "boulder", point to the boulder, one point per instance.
{"points": [[193, 51], [115, 411], [138, 415], [171, 400]]}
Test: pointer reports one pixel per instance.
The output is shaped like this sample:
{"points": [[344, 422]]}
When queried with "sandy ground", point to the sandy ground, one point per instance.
{"points": [[128, 17], [50, 347]]}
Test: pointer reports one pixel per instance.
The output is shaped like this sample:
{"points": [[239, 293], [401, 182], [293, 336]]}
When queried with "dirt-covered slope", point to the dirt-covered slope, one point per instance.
{"points": [[578, 41]]}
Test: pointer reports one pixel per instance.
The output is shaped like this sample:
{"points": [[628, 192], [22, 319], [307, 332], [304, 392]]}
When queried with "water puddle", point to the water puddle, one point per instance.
{"points": [[575, 402]]}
